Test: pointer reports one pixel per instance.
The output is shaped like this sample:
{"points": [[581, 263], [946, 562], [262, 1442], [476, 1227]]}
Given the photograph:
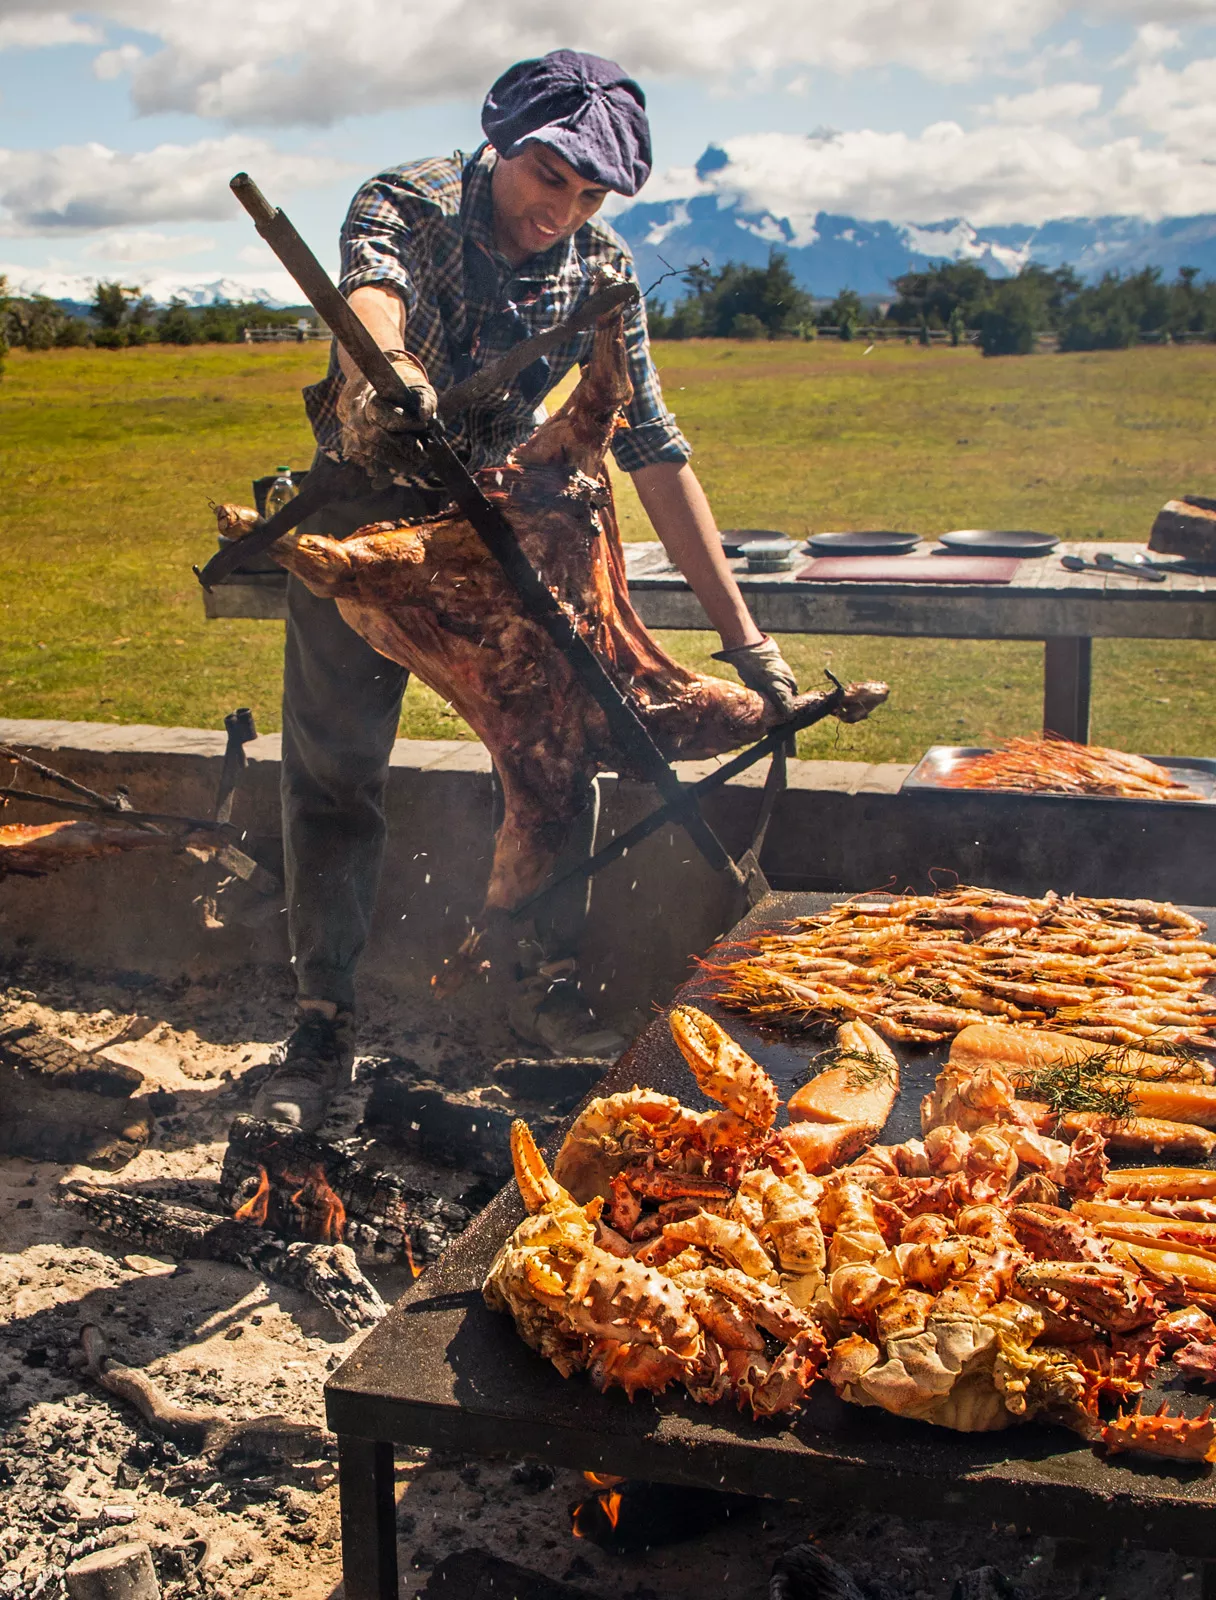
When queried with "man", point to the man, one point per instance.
{"points": [[450, 263]]}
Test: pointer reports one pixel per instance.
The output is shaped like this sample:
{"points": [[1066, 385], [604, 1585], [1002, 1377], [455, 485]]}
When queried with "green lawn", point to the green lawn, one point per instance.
{"points": [[108, 460]]}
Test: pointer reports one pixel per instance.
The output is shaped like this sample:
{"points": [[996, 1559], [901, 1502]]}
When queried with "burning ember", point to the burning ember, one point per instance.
{"points": [[256, 1207], [628, 1514], [322, 1215]]}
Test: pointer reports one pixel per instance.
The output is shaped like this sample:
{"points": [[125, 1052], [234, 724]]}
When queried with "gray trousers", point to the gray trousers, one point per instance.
{"points": [[341, 711]]}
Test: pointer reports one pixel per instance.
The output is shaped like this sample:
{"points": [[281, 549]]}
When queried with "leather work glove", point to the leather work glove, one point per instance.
{"points": [[762, 667], [375, 435]]}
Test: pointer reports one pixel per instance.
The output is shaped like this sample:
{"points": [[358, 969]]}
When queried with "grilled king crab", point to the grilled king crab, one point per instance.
{"points": [[430, 596], [579, 1305], [631, 1326]]}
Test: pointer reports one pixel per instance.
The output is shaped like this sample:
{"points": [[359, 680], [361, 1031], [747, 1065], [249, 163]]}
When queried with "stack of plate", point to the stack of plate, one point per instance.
{"points": [[773, 553]]}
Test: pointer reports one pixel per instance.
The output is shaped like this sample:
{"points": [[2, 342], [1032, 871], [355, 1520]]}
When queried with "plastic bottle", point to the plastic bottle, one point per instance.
{"points": [[280, 492]]}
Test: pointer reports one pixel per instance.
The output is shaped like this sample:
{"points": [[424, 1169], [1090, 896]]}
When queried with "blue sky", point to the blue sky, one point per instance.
{"points": [[120, 124]]}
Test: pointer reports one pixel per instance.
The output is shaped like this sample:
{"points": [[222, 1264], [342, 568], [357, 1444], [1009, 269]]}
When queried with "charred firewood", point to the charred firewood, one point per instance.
{"points": [[207, 1433], [62, 1104], [478, 1575], [806, 1573], [300, 1187], [327, 1272]]}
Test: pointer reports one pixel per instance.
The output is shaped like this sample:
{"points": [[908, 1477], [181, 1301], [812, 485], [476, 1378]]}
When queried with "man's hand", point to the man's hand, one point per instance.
{"points": [[762, 667], [375, 435]]}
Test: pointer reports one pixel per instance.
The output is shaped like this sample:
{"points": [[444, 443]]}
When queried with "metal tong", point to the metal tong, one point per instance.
{"points": [[1103, 562]]}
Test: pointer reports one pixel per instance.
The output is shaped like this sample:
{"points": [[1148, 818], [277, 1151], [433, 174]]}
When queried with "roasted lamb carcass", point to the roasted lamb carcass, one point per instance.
{"points": [[430, 596]]}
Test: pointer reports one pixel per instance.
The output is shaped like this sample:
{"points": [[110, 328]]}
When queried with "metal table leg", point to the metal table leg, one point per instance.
{"points": [[1066, 677], [369, 1518]]}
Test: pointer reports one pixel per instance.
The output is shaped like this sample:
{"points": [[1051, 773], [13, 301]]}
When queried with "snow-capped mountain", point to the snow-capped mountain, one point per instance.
{"points": [[78, 287], [828, 253]]}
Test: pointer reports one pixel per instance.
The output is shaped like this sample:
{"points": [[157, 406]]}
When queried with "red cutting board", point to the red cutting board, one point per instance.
{"points": [[910, 569]]}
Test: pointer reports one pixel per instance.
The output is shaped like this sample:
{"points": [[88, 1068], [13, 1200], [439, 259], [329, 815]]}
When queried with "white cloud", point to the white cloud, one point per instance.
{"points": [[113, 63], [314, 61], [1152, 41], [137, 246], [1178, 106], [88, 186], [34, 27], [1055, 103], [991, 176]]}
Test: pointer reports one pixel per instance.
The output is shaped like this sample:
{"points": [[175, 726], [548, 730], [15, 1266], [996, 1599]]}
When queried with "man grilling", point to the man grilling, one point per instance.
{"points": [[451, 262]]}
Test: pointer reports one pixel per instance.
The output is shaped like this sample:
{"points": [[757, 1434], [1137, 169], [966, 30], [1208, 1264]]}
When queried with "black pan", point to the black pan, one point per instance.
{"points": [[988, 542], [876, 542]]}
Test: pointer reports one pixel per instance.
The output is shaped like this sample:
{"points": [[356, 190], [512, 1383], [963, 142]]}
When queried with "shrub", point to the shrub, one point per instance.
{"points": [[175, 325], [736, 295], [1008, 325], [747, 326], [74, 333]]}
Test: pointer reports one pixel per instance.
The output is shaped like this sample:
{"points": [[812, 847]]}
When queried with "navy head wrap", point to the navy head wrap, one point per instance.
{"points": [[583, 107]]}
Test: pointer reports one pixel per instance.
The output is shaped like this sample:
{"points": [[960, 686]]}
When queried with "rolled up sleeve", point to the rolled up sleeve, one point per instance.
{"points": [[651, 434], [376, 242]]}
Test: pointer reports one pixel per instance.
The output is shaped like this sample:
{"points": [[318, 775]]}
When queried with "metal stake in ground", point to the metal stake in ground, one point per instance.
{"points": [[487, 521]]}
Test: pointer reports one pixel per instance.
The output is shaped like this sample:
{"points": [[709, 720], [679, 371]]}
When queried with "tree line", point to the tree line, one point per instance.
{"points": [[121, 316], [1005, 316]]}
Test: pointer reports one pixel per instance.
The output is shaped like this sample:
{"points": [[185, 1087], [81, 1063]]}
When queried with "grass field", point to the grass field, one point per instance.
{"points": [[109, 459]]}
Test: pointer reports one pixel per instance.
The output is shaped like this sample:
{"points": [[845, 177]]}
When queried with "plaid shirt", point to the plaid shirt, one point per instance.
{"points": [[425, 229]]}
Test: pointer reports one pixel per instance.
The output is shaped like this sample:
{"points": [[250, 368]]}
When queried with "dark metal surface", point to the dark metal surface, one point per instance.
{"points": [[1197, 771], [442, 1370]]}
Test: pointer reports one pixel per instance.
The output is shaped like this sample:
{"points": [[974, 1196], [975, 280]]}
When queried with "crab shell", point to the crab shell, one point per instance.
{"points": [[613, 1132]]}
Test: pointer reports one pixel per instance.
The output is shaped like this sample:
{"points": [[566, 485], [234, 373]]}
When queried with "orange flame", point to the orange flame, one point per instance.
{"points": [[322, 1215], [255, 1208], [607, 1502], [415, 1270]]}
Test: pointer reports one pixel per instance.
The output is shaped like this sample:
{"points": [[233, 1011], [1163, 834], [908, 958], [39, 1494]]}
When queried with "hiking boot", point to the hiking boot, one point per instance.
{"points": [[548, 1010], [318, 1063]]}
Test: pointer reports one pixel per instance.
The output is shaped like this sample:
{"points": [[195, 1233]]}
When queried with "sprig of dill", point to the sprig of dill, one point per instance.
{"points": [[1077, 1086], [866, 1067], [1115, 1059]]}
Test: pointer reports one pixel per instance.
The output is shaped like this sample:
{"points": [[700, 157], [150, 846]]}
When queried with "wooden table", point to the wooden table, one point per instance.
{"points": [[1067, 610]]}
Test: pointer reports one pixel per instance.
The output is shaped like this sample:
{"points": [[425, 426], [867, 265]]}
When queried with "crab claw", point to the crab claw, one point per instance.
{"points": [[1102, 1292], [1162, 1434], [537, 1186], [723, 1069]]}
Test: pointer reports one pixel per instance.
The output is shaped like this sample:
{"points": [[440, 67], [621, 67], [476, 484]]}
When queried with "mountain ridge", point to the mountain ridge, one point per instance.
{"points": [[829, 252]]}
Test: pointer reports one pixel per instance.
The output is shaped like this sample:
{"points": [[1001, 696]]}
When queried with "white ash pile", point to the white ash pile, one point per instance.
{"points": [[81, 1468]]}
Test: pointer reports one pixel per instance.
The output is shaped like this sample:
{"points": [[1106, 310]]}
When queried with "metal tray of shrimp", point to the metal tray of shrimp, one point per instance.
{"points": [[444, 1371], [940, 760]]}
